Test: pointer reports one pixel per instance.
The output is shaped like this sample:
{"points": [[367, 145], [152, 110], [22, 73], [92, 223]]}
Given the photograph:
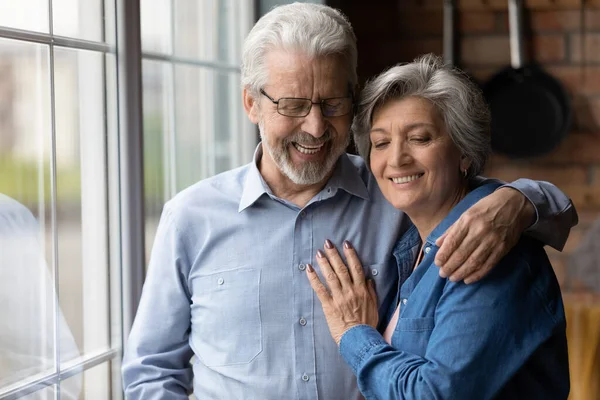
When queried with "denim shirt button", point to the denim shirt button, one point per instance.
{"points": [[427, 249], [220, 281], [305, 378], [374, 272], [404, 301], [302, 321], [301, 267]]}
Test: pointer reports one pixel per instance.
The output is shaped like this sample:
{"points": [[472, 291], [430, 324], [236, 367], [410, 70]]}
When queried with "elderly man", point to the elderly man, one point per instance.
{"points": [[226, 281]]}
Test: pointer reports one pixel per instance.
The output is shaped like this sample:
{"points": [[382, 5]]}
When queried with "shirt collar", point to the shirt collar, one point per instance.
{"points": [[470, 199], [345, 176], [254, 185]]}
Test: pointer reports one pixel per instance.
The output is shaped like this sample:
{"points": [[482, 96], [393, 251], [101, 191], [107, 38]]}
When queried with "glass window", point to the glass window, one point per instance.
{"points": [[209, 30], [156, 25], [158, 136], [59, 287], [26, 286], [28, 15], [81, 19], [82, 198]]}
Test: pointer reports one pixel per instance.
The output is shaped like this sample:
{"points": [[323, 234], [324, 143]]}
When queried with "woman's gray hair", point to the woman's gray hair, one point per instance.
{"points": [[459, 100], [313, 29]]}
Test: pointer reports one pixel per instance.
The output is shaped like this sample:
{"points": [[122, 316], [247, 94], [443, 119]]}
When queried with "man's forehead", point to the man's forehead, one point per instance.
{"points": [[298, 71]]}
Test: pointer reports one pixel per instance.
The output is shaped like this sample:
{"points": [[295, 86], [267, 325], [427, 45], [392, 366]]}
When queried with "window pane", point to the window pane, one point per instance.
{"points": [[81, 19], [81, 199], [211, 132], [156, 25], [211, 30], [157, 88], [96, 382], [25, 14], [46, 393], [26, 284]]}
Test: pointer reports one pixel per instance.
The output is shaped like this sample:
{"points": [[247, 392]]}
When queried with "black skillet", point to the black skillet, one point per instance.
{"points": [[531, 112]]}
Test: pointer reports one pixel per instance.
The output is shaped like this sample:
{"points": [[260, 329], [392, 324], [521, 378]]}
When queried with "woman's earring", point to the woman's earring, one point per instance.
{"points": [[465, 173]]}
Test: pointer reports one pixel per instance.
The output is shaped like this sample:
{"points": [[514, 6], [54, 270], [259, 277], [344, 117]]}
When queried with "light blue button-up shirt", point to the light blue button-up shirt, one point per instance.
{"points": [[227, 285]]}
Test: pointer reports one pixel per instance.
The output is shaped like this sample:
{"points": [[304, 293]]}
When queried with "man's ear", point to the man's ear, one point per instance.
{"points": [[250, 106]]}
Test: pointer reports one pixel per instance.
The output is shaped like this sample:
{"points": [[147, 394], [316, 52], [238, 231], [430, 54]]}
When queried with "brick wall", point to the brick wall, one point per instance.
{"points": [[562, 39]]}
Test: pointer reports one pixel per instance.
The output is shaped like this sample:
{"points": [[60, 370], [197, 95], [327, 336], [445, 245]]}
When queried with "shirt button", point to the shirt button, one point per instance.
{"points": [[303, 214], [302, 321], [374, 272], [301, 267], [427, 249], [404, 301], [305, 378], [220, 281]]}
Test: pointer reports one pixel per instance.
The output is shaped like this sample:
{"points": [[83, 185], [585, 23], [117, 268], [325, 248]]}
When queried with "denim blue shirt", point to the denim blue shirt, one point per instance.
{"points": [[501, 338], [227, 284]]}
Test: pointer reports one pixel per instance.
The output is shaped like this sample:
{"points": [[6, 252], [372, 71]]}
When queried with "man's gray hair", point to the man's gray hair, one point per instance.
{"points": [[313, 29], [459, 100]]}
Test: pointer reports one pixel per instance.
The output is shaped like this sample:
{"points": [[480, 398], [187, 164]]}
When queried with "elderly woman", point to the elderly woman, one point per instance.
{"points": [[424, 130]]}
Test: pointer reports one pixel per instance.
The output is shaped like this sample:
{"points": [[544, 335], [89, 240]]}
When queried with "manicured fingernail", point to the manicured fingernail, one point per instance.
{"points": [[320, 254], [442, 274], [328, 244], [347, 244], [453, 278], [309, 268]]}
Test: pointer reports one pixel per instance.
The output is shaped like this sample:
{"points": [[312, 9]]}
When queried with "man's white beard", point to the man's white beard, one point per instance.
{"points": [[311, 172]]}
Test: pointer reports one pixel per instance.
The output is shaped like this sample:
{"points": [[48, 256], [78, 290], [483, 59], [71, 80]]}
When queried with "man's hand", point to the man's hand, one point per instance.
{"points": [[479, 239]]}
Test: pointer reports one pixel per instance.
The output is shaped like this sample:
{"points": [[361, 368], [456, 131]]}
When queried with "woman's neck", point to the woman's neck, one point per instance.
{"points": [[426, 218]]}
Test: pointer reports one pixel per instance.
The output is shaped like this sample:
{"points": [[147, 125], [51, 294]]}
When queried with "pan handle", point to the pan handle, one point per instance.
{"points": [[449, 32], [515, 22]]}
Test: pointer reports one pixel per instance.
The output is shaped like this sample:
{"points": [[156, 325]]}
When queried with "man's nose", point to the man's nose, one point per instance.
{"points": [[314, 123]]}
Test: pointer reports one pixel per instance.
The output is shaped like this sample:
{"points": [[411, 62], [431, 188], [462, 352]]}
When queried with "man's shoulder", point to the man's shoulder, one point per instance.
{"points": [[217, 191]]}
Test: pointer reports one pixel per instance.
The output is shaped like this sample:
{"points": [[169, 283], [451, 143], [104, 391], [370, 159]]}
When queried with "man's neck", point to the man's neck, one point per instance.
{"points": [[285, 189]]}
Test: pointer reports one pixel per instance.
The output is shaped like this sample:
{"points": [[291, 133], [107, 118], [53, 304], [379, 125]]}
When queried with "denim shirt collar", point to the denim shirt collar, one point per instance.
{"points": [[345, 176], [406, 248], [410, 239]]}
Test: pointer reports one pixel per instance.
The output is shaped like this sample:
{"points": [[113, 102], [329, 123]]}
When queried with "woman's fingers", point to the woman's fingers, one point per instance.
{"points": [[337, 263], [317, 285], [354, 265], [372, 293], [330, 275]]}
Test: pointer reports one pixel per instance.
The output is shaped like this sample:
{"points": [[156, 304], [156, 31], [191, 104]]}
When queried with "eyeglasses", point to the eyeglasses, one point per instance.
{"points": [[299, 107]]}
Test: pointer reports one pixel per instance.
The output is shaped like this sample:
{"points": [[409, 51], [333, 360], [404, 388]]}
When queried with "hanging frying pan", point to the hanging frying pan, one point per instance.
{"points": [[531, 112]]}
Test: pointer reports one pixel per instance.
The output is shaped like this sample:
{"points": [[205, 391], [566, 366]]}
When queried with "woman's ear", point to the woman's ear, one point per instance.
{"points": [[465, 163], [250, 106]]}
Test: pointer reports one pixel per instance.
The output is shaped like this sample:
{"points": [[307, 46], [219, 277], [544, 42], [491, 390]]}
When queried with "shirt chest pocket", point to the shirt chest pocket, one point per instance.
{"points": [[412, 335], [226, 325]]}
